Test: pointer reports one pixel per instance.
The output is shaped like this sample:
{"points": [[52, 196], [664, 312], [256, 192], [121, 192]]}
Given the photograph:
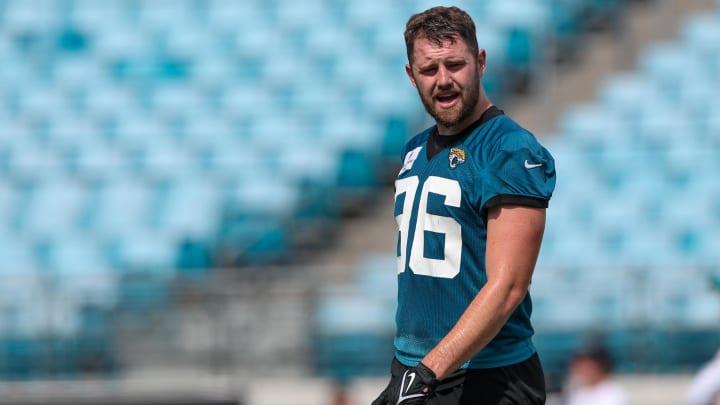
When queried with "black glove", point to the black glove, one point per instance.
{"points": [[414, 387]]}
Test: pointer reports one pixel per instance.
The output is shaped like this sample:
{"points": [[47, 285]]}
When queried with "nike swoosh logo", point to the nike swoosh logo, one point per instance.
{"points": [[412, 378], [404, 389], [529, 165]]}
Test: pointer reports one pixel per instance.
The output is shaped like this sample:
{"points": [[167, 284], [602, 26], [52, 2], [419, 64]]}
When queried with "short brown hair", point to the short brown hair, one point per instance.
{"points": [[440, 24]]}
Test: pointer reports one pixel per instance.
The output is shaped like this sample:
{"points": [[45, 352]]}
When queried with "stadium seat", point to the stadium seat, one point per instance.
{"points": [[263, 195], [15, 75], [623, 94], [528, 14], [693, 305], [389, 45], [658, 122], [162, 160], [190, 208], [78, 73], [143, 252], [208, 130], [166, 14], [135, 128], [377, 279], [17, 254], [66, 130], [8, 204], [492, 41], [291, 14], [80, 270], [365, 14], [31, 161], [98, 18], [120, 207], [670, 66], [211, 70], [170, 101], [56, 207], [33, 306], [103, 100], [15, 130], [233, 161], [228, 14], [256, 214], [239, 99], [343, 315], [384, 97], [699, 33], [590, 127], [97, 161], [30, 16], [38, 101]]}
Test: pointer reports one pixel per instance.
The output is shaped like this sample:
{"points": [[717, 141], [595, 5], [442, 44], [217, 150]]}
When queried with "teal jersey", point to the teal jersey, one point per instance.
{"points": [[441, 204]]}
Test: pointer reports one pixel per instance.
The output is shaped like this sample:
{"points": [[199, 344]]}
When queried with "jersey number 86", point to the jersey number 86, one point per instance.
{"points": [[449, 265]]}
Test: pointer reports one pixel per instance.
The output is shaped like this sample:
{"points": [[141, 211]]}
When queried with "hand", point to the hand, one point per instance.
{"points": [[414, 387]]}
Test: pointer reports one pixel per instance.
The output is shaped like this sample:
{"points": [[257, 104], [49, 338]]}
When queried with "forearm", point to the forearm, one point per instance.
{"points": [[478, 325], [514, 237]]}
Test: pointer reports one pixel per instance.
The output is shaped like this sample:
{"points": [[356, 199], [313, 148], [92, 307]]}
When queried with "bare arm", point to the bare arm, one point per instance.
{"points": [[513, 243]]}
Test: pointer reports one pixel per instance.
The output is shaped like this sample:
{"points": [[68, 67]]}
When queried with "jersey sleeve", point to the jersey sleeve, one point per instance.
{"points": [[519, 172]]}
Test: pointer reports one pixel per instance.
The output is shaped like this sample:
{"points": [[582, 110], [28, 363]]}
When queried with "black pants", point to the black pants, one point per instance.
{"points": [[517, 384]]}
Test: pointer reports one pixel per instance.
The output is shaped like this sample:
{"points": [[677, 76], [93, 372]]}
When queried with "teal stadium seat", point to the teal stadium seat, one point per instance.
{"points": [[256, 214], [624, 93], [9, 200], [55, 207], [120, 207], [700, 33], [136, 128], [17, 254], [162, 160], [352, 336], [189, 208], [145, 252], [377, 280], [79, 270], [671, 65], [66, 130], [95, 162], [28, 161]]}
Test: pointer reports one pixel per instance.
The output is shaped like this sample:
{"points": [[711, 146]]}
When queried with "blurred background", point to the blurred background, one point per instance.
{"points": [[196, 195]]}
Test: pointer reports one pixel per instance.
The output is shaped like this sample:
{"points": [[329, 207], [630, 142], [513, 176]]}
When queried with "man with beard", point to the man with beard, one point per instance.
{"points": [[470, 204]]}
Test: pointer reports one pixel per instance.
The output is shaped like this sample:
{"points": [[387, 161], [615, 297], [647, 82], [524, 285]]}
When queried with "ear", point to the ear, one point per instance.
{"points": [[481, 61], [408, 70]]}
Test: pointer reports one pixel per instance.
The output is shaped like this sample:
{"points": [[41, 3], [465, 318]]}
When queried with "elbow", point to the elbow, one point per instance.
{"points": [[511, 294], [516, 294]]}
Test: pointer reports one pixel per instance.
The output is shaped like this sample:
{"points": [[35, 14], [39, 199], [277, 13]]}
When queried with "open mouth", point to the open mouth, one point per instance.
{"points": [[447, 100]]}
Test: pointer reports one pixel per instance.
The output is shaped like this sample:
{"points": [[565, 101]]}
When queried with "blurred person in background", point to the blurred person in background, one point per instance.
{"points": [[470, 203], [705, 385], [590, 379]]}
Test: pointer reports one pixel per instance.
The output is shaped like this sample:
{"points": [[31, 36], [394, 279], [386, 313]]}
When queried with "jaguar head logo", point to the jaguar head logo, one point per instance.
{"points": [[456, 157]]}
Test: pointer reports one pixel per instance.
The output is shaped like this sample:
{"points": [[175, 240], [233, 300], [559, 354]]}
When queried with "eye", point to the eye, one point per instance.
{"points": [[455, 66], [428, 71]]}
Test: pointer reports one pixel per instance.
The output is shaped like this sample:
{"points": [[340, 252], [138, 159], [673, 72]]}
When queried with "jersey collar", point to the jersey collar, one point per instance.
{"points": [[437, 142]]}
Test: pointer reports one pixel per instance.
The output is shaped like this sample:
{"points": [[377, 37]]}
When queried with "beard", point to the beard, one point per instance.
{"points": [[461, 111]]}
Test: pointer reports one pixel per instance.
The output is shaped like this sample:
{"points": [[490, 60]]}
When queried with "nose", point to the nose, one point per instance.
{"points": [[444, 79]]}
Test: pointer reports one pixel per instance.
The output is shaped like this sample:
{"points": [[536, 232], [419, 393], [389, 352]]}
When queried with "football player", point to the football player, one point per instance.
{"points": [[470, 203]]}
